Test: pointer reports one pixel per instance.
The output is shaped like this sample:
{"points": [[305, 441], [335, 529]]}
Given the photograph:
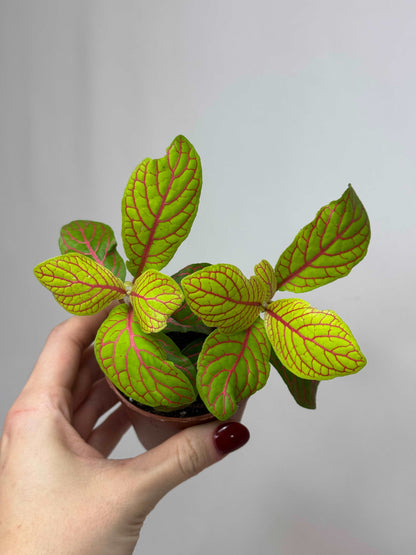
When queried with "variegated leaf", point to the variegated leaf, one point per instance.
{"points": [[174, 354], [155, 297], [79, 284], [221, 296], [184, 319], [159, 206], [303, 391], [327, 248], [232, 367], [193, 349], [138, 365], [93, 239], [264, 271], [313, 344]]}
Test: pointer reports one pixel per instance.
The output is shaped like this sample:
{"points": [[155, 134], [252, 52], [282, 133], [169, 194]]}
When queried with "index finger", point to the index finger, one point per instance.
{"points": [[59, 361]]}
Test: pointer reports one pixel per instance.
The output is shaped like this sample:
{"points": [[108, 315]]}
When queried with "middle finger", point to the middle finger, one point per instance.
{"points": [[98, 402]]}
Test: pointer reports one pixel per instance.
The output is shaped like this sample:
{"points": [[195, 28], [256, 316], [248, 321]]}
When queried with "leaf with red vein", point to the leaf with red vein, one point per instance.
{"points": [[173, 325], [184, 317], [223, 297], [327, 248], [193, 350], [93, 239], [154, 298], [159, 206], [188, 270], [264, 271], [303, 391], [137, 364], [313, 344], [232, 367], [79, 284], [174, 354]]}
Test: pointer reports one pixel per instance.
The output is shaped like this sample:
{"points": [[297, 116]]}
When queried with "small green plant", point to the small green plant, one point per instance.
{"points": [[206, 331]]}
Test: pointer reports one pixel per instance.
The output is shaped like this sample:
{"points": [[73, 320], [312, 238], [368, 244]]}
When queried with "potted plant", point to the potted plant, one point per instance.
{"points": [[200, 342]]}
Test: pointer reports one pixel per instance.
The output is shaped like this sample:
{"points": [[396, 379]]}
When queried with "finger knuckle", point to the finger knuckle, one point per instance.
{"points": [[189, 457], [17, 419], [58, 330]]}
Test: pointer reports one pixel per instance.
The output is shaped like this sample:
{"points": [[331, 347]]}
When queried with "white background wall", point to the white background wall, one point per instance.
{"points": [[286, 102]]}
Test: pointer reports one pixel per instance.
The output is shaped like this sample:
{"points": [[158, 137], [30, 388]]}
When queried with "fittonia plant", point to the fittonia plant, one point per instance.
{"points": [[207, 330]]}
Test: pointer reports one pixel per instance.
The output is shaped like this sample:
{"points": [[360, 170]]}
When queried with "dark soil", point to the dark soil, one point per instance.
{"points": [[197, 408]]}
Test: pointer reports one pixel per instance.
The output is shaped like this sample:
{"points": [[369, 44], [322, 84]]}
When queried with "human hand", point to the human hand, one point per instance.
{"points": [[58, 491]]}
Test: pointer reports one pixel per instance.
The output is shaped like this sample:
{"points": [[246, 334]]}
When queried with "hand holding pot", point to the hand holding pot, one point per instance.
{"points": [[58, 491]]}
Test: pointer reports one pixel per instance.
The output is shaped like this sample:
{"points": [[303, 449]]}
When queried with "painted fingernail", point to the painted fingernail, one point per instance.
{"points": [[230, 436]]}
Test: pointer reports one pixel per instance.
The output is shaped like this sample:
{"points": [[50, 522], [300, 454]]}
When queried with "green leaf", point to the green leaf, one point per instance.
{"points": [[174, 354], [327, 248], [221, 296], [264, 271], [138, 365], [232, 367], [94, 239], [303, 391], [159, 206], [172, 325], [154, 298], [313, 344], [184, 319], [188, 270], [79, 284], [193, 350]]}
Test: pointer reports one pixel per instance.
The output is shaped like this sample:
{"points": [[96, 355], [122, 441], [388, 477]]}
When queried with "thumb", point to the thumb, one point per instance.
{"points": [[184, 455]]}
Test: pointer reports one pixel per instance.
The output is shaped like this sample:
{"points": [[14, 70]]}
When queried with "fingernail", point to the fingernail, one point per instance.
{"points": [[230, 436]]}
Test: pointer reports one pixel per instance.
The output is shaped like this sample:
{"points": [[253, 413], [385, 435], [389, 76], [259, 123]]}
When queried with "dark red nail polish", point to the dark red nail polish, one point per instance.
{"points": [[230, 436]]}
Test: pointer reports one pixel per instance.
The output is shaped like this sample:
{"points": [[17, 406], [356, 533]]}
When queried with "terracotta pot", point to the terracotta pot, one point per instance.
{"points": [[152, 429]]}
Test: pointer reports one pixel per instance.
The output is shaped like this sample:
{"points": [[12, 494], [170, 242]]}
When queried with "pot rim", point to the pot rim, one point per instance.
{"points": [[160, 417]]}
